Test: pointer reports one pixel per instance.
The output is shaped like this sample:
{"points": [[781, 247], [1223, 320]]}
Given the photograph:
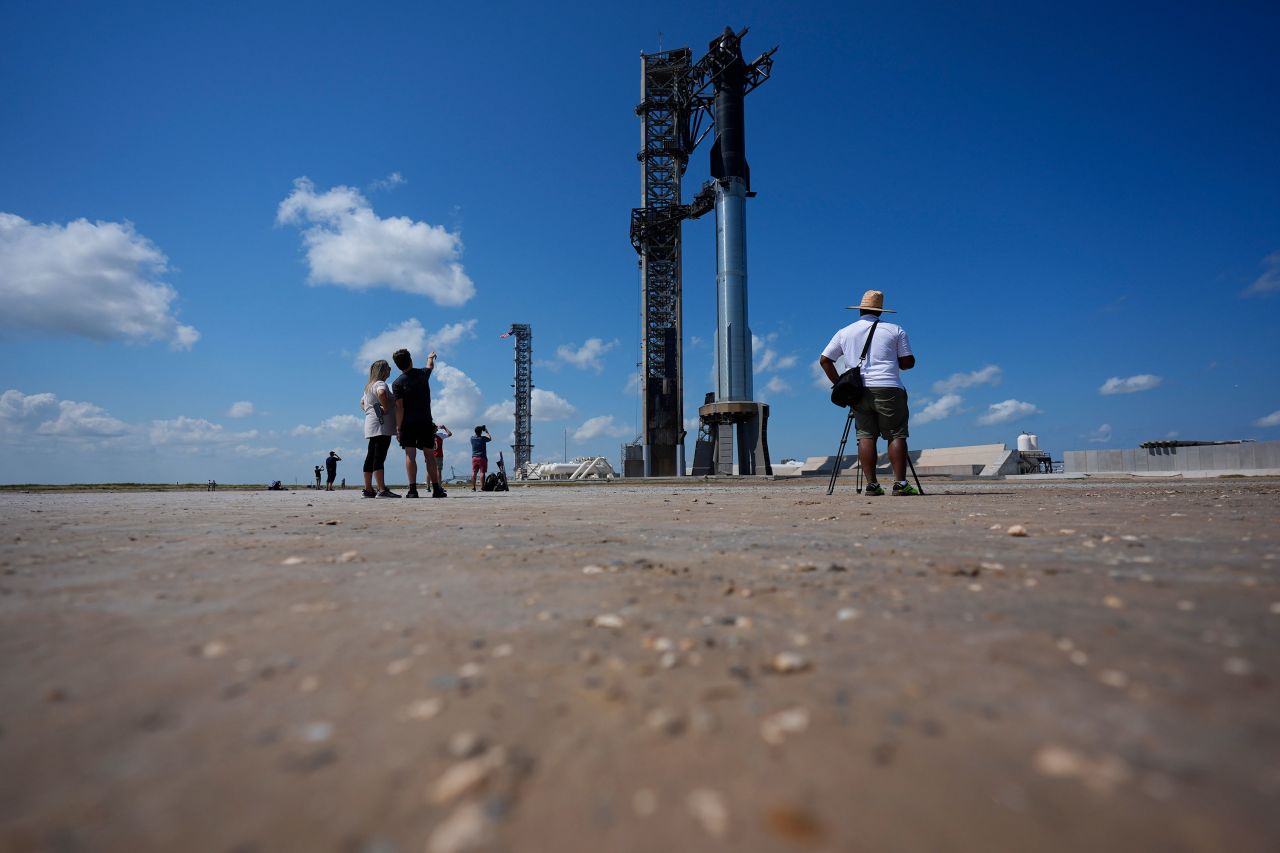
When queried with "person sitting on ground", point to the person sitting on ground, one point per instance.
{"points": [[882, 409], [331, 467], [414, 426], [379, 425], [480, 454]]}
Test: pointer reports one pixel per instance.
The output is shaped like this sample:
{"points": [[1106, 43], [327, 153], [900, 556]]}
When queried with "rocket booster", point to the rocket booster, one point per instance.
{"points": [[729, 168]]}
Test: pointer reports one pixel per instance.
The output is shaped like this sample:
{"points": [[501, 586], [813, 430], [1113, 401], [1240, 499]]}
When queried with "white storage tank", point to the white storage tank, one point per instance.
{"points": [[1035, 441], [1025, 444]]}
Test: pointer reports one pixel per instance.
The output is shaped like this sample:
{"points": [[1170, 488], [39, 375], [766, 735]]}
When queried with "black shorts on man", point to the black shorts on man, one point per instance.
{"points": [[420, 437]]}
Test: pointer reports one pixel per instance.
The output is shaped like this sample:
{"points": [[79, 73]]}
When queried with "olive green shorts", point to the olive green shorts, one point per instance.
{"points": [[882, 412]]}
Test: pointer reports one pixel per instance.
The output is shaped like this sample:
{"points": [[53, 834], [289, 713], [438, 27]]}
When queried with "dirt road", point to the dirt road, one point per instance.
{"points": [[643, 669]]}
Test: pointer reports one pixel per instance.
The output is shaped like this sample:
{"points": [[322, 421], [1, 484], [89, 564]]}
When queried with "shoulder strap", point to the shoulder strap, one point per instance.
{"points": [[866, 348]]}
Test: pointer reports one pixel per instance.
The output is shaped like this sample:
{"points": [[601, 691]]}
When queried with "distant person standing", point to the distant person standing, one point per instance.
{"points": [[480, 454], [882, 409], [442, 432], [331, 468], [414, 426], [379, 425], [317, 476]]}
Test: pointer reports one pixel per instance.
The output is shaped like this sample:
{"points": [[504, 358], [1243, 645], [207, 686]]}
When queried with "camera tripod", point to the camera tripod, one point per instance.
{"points": [[844, 440]]}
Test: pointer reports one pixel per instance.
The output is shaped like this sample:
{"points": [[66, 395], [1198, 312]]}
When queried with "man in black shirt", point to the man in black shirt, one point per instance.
{"points": [[331, 467], [414, 426]]}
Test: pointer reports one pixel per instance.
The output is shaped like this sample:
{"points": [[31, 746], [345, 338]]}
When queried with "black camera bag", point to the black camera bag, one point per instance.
{"points": [[848, 388]]}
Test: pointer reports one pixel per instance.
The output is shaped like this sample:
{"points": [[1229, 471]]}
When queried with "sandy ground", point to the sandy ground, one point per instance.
{"points": [[643, 669]]}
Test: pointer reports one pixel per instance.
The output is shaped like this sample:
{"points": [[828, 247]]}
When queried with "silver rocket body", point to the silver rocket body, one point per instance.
{"points": [[733, 335], [738, 423]]}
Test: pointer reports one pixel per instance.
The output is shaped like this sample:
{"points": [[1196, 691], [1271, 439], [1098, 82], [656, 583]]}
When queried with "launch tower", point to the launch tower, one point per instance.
{"points": [[523, 385]]}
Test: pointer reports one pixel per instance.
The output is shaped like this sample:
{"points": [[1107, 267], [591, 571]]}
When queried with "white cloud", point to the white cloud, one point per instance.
{"points": [[450, 335], [1270, 420], [456, 397], [82, 420], [183, 430], [589, 356], [989, 375], [22, 415], [1007, 410], [254, 452], [633, 383], [240, 409], [390, 182], [100, 280], [338, 425], [820, 379], [603, 425], [1101, 435], [407, 335], [21, 412], [1130, 384], [943, 407], [498, 413], [549, 406], [350, 245], [1269, 281], [786, 362], [546, 405], [777, 385], [412, 336], [762, 354], [765, 357]]}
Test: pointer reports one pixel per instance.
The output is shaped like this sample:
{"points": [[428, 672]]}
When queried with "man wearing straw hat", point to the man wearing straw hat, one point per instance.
{"points": [[882, 410]]}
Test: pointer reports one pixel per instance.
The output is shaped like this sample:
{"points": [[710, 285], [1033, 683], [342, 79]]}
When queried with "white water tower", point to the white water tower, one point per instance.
{"points": [[1028, 443]]}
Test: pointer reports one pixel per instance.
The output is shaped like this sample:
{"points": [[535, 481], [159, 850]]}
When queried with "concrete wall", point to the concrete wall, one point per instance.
{"points": [[1220, 457], [967, 461]]}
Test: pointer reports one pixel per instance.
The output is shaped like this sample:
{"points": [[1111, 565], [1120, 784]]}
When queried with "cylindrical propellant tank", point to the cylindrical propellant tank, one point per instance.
{"points": [[729, 168]]}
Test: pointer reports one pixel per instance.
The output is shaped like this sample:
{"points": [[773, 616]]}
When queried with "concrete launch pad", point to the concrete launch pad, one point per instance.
{"points": [[746, 667]]}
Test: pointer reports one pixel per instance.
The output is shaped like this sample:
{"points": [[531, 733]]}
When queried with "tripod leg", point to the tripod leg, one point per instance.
{"points": [[844, 439], [912, 466]]}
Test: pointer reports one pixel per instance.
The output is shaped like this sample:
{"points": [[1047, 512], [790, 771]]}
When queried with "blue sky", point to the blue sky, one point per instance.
{"points": [[205, 205]]}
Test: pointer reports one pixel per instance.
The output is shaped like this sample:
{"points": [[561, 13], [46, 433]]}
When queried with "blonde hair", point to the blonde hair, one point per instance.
{"points": [[378, 371]]}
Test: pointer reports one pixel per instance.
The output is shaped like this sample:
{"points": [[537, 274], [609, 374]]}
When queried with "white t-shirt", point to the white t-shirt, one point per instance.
{"points": [[880, 370], [371, 425]]}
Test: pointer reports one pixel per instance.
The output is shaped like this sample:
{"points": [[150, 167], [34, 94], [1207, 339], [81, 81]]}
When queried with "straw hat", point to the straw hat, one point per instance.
{"points": [[872, 300]]}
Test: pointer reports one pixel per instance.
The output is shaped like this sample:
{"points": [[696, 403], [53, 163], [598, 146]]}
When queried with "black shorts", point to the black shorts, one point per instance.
{"points": [[418, 436]]}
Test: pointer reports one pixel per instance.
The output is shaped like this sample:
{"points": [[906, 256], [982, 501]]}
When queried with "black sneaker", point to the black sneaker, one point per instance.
{"points": [[368, 493], [437, 491], [412, 493], [874, 489], [387, 493]]}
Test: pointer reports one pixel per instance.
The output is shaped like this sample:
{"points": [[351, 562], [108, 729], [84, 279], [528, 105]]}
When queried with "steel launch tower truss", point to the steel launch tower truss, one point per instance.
{"points": [[523, 385], [655, 234], [677, 100]]}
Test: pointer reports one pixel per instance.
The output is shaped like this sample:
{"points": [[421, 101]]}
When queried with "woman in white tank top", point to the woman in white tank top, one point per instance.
{"points": [[379, 425]]}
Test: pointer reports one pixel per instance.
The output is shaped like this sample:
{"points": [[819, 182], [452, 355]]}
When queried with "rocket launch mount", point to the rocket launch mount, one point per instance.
{"points": [[677, 97]]}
